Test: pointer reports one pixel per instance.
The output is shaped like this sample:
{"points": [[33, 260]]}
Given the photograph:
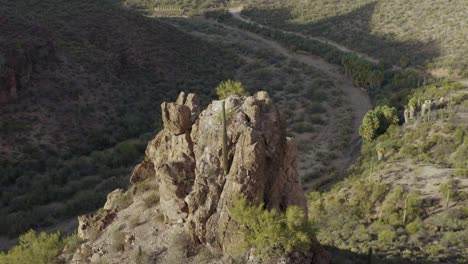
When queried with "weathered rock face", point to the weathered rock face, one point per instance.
{"points": [[142, 172], [112, 199], [91, 225], [187, 162], [261, 166], [184, 163], [171, 154]]}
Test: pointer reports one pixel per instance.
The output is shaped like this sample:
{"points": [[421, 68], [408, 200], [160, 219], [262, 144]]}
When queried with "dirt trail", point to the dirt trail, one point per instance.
{"points": [[357, 99], [236, 13], [322, 142]]}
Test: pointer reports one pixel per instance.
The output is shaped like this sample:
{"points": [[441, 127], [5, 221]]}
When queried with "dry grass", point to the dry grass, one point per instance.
{"points": [[117, 240], [152, 199]]}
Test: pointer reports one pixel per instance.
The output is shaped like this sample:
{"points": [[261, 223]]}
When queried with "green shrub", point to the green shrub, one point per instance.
{"points": [[228, 87], [391, 207], [412, 206], [386, 236], [413, 227], [378, 226], [271, 232], [377, 121], [34, 249], [71, 243], [433, 250], [456, 239]]}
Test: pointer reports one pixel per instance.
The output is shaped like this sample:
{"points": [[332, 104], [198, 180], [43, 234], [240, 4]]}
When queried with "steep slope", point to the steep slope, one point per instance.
{"points": [[184, 187], [406, 197], [80, 86]]}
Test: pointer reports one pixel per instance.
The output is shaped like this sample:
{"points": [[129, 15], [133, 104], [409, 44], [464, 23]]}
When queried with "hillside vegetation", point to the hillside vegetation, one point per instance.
{"points": [[81, 121], [90, 77], [430, 34], [406, 196]]}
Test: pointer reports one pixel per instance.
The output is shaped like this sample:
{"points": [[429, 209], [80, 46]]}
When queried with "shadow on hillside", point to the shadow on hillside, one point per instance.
{"points": [[84, 119], [340, 256], [353, 30]]}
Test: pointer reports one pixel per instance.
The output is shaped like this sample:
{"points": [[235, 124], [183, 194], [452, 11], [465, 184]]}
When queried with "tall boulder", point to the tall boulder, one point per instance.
{"points": [[262, 166], [187, 155]]}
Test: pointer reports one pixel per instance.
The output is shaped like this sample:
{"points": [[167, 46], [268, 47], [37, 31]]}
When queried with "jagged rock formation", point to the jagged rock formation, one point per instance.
{"points": [[185, 162]]}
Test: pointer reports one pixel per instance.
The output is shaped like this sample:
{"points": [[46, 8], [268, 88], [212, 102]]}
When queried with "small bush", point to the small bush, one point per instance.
{"points": [[151, 200], [229, 87], [117, 240], [71, 243], [433, 250], [204, 256], [34, 248], [386, 236], [271, 232], [413, 227], [377, 121]]}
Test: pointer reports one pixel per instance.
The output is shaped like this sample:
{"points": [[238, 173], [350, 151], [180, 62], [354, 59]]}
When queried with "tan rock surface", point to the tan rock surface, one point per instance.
{"points": [[183, 166]]}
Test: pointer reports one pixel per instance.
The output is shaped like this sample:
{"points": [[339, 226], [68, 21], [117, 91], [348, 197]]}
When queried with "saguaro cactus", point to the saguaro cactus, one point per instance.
{"points": [[369, 255], [405, 210], [411, 112], [406, 116], [225, 158]]}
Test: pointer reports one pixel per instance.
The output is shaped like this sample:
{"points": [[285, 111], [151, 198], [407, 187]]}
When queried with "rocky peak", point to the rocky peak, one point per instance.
{"points": [[185, 160]]}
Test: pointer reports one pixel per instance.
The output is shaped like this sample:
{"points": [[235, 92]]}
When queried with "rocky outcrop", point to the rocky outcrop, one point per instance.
{"points": [[186, 155], [90, 226], [184, 162], [262, 166], [112, 202], [142, 172]]}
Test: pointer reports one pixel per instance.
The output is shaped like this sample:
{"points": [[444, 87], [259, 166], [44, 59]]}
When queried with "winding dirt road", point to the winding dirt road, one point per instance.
{"points": [[357, 99], [236, 13]]}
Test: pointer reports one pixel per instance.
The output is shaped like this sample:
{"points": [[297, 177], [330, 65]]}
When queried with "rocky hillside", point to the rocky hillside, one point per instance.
{"points": [[406, 196], [179, 208]]}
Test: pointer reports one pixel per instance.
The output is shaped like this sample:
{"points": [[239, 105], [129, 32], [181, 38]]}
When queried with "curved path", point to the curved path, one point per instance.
{"points": [[236, 13], [357, 99]]}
